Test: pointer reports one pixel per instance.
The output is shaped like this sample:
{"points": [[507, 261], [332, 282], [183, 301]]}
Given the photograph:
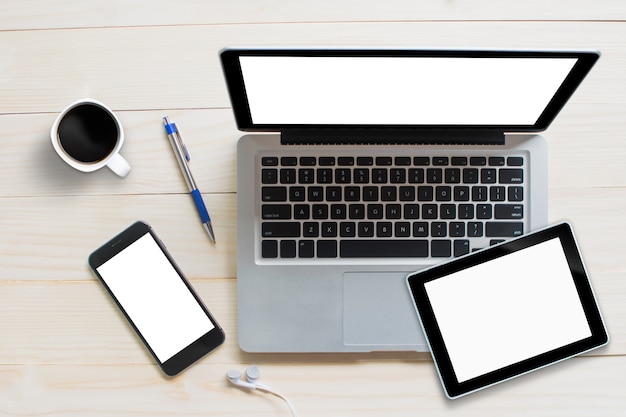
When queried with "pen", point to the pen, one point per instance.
{"points": [[182, 156]]}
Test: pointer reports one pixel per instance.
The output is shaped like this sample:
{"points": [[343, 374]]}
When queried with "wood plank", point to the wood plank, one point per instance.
{"points": [[585, 148], [582, 386], [76, 322], [28, 14], [210, 135], [51, 238], [129, 69]]}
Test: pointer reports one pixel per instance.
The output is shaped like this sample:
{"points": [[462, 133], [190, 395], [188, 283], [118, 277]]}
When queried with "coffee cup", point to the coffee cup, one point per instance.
{"points": [[87, 135]]}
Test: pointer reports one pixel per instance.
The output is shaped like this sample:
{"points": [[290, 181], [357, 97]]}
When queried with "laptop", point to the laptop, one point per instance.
{"points": [[361, 166]]}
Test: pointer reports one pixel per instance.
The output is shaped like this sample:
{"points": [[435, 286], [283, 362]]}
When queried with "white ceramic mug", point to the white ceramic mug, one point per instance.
{"points": [[87, 135]]}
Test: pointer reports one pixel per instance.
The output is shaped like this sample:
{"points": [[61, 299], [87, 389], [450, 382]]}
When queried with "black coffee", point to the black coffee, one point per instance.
{"points": [[87, 133]]}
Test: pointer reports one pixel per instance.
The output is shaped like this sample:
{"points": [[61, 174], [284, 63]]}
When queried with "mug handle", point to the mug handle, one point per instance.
{"points": [[118, 165]]}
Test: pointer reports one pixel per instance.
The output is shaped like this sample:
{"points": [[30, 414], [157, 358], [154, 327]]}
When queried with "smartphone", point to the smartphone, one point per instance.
{"points": [[156, 298]]}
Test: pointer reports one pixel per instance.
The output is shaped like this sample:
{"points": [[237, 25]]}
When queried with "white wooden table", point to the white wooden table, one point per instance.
{"points": [[65, 349]]}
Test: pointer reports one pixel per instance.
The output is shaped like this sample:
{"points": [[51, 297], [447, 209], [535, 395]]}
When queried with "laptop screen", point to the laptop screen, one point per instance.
{"points": [[355, 88]]}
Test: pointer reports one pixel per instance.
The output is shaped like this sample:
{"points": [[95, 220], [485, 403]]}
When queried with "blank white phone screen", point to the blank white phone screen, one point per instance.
{"points": [[155, 298], [508, 309], [401, 90]]}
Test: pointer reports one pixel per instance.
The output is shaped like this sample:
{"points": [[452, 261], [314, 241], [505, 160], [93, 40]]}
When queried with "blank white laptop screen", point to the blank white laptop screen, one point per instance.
{"points": [[490, 319], [401, 90]]}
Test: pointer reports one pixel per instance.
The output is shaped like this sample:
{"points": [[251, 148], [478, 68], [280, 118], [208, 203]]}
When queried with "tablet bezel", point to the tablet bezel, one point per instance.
{"points": [[452, 387]]}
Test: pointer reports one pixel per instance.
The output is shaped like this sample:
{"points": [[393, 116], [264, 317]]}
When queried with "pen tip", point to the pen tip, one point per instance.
{"points": [[209, 230]]}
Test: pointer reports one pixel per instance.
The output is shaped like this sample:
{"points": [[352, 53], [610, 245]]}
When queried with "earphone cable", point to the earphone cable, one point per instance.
{"points": [[269, 391]]}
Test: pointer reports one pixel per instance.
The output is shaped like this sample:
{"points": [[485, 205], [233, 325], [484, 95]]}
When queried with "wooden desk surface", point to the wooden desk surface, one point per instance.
{"points": [[66, 350]]}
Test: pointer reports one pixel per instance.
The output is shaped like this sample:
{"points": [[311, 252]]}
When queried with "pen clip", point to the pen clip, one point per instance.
{"points": [[171, 129]]}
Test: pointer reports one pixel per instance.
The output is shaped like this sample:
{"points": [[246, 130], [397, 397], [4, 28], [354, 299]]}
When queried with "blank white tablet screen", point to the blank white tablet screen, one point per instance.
{"points": [[508, 309]]}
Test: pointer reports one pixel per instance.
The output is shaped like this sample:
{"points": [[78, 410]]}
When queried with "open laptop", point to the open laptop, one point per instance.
{"points": [[366, 165]]}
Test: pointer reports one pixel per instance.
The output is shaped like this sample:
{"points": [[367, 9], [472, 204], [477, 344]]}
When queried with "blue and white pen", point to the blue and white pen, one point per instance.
{"points": [[182, 156]]}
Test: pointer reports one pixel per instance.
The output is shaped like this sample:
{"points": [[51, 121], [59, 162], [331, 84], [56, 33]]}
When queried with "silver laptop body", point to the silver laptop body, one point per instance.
{"points": [[366, 165]]}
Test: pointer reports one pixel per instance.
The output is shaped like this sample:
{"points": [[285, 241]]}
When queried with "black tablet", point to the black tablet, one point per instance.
{"points": [[507, 310]]}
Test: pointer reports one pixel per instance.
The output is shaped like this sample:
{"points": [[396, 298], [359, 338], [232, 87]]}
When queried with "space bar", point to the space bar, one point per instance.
{"points": [[383, 248]]}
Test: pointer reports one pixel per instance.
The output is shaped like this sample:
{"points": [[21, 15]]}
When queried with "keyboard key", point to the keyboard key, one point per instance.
{"points": [[274, 194], [366, 229], [496, 161], [306, 249], [320, 211], [504, 229], [379, 176], [440, 160], [308, 161], [280, 229], [420, 229], [287, 248], [276, 211], [511, 176], [478, 161], [470, 175], [289, 161], [301, 211], [421, 161], [459, 160], [441, 248], [269, 161], [365, 161], [343, 175], [347, 229], [397, 176], [416, 175], [461, 247], [306, 175], [269, 249], [383, 248], [402, 160], [484, 211], [407, 194], [497, 193], [326, 161], [434, 175], [361, 176], [438, 229], [515, 161], [403, 229], [345, 161], [384, 229], [509, 211], [393, 211], [425, 193], [488, 175], [324, 176], [329, 229], [269, 176], [311, 229], [516, 193], [453, 175], [315, 193], [326, 249], [411, 211], [287, 176], [384, 161], [297, 194], [457, 229]]}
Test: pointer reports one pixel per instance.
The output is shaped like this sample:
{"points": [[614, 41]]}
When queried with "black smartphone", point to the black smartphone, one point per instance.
{"points": [[156, 298]]}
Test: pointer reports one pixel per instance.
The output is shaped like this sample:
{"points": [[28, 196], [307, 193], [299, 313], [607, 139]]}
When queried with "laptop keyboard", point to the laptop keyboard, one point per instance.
{"points": [[385, 207]]}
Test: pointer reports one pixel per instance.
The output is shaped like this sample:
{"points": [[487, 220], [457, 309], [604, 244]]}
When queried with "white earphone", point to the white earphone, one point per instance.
{"points": [[252, 374]]}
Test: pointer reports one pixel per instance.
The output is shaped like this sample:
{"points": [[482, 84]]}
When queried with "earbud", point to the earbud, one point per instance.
{"points": [[252, 374]]}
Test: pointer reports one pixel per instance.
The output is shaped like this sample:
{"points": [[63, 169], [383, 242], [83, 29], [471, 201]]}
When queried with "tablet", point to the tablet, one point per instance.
{"points": [[507, 310]]}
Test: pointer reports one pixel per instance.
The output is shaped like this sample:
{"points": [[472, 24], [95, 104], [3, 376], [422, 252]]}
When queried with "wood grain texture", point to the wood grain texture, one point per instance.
{"points": [[66, 350]]}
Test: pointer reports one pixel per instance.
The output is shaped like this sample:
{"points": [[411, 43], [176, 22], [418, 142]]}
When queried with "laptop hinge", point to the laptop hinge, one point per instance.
{"points": [[392, 136]]}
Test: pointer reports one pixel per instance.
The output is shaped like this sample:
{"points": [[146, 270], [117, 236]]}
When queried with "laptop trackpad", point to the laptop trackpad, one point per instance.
{"points": [[378, 310]]}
